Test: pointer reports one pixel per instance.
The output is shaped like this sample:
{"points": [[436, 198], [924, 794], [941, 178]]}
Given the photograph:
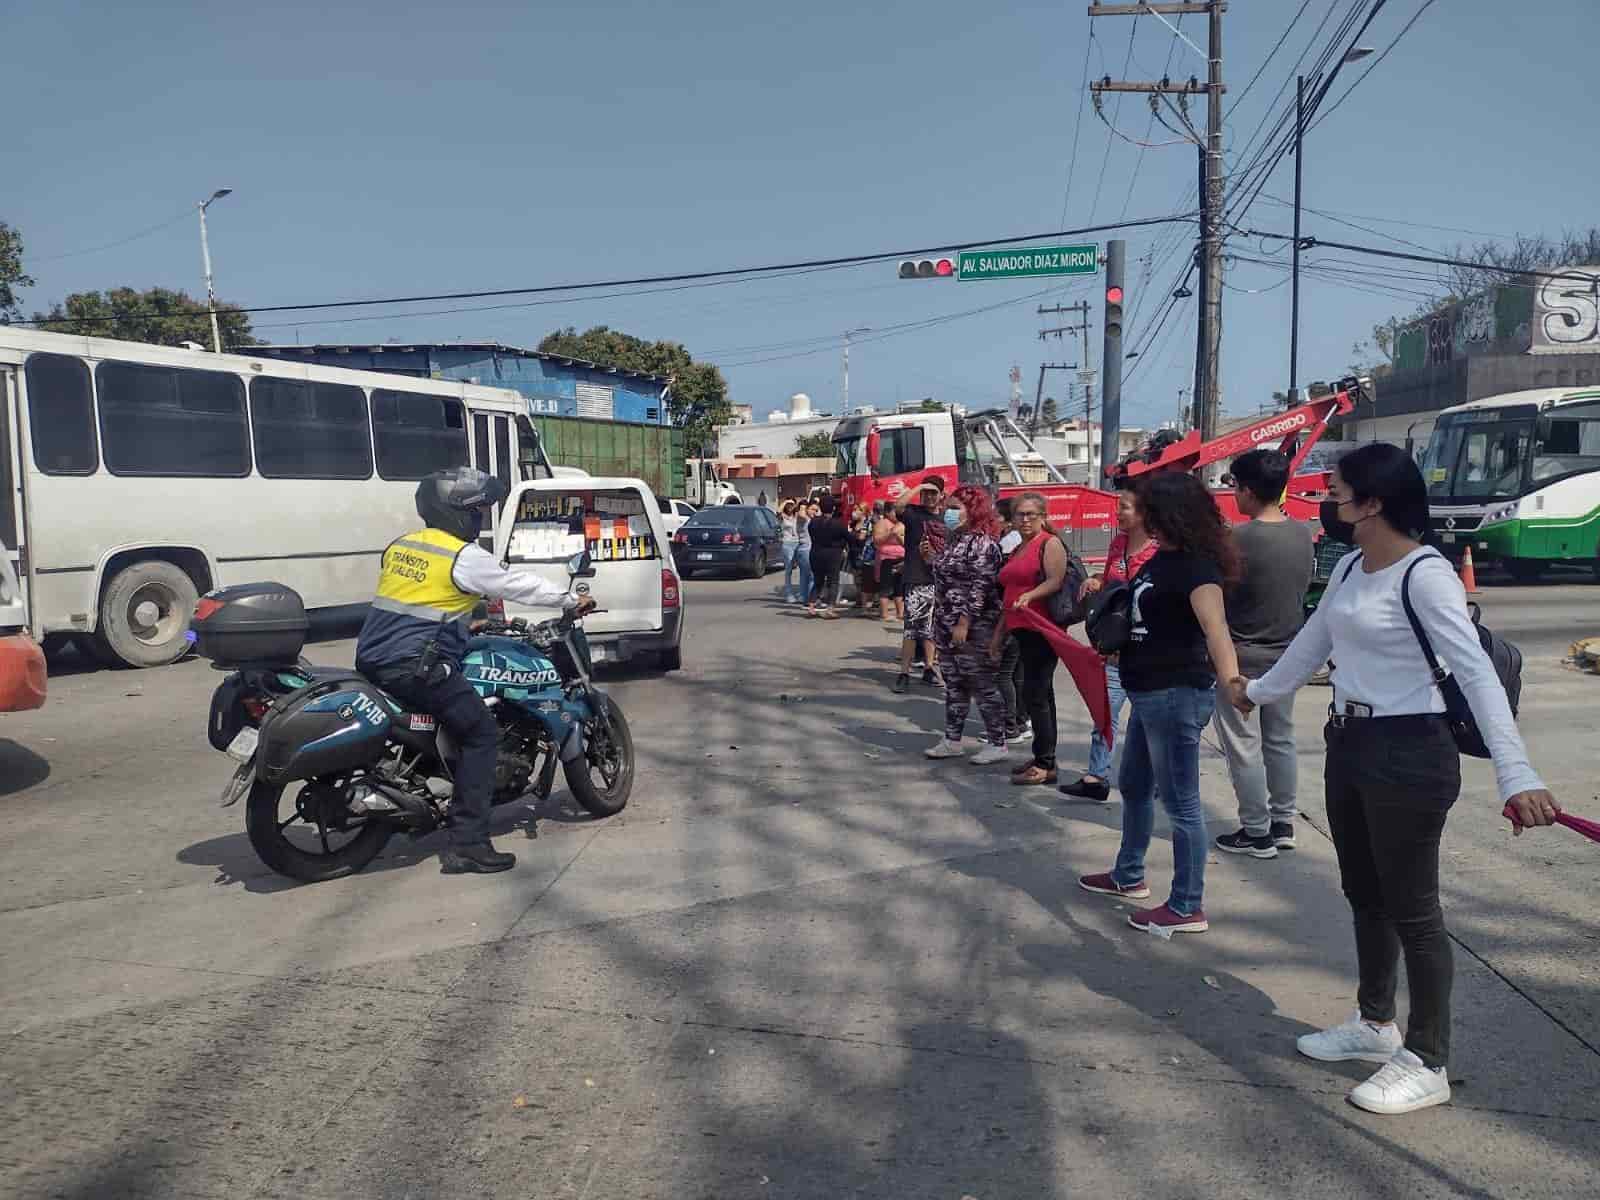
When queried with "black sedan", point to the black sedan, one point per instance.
{"points": [[729, 537]]}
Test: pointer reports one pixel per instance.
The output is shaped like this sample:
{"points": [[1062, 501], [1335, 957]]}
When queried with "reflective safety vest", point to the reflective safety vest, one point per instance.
{"points": [[417, 602]]}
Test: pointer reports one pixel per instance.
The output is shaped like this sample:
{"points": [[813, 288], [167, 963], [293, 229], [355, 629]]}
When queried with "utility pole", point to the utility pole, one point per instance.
{"points": [[205, 258], [845, 400], [1200, 344], [1038, 395], [1081, 308], [1211, 235], [1208, 397]]}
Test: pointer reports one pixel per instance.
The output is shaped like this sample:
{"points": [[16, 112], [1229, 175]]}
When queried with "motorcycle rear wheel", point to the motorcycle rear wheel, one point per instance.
{"points": [[603, 778], [266, 830]]}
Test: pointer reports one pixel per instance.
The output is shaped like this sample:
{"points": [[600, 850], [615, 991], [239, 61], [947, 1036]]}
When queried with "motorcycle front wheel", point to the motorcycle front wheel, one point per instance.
{"points": [[603, 777], [299, 842]]}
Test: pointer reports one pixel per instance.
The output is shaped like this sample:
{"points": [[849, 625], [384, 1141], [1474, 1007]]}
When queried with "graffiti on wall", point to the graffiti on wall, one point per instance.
{"points": [[1566, 312], [1498, 321]]}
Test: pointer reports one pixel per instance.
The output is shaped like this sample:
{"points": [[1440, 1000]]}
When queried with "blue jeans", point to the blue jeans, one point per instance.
{"points": [[1162, 754], [1099, 752], [791, 556]]}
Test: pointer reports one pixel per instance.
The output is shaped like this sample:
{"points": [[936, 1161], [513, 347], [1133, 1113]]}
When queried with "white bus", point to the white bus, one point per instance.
{"points": [[133, 478], [1517, 477]]}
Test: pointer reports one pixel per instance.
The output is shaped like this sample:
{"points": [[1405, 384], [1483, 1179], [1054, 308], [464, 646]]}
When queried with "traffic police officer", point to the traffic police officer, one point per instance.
{"points": [[416, 634]]}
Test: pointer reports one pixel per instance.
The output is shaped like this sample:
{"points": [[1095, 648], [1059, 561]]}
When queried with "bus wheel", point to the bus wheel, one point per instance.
{"points": [[145, 613]]}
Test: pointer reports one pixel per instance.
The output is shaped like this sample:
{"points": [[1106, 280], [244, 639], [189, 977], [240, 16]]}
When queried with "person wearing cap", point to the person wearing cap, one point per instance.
{"points": [[924, 537], [415, 637]]}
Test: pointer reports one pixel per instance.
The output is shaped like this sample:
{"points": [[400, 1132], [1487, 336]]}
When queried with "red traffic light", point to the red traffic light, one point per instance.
{"points": [[1113, 295], [927, 268]]}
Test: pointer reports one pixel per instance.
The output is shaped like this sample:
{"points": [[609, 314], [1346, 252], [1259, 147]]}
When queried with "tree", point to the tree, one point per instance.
{"points": [[813, 445], [698, 399], [930, 405], [158, 315], [11, 275], [1047, 413]]}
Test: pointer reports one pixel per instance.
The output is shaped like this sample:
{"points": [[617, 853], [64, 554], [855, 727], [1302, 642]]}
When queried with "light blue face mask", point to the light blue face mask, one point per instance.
{"points": [[951, 518]]}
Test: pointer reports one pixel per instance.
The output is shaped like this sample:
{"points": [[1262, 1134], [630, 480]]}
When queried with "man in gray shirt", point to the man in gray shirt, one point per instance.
{"points": [[1265, 611]]}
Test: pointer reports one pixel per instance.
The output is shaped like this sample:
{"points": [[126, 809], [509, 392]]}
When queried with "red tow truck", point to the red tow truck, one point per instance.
{"points": [[884, 455]]}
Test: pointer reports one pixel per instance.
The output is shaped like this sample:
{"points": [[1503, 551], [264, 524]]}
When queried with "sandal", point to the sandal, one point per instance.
{"points": [[1033, 775]]}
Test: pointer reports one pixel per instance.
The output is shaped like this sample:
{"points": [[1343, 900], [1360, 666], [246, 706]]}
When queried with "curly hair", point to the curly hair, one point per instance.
{"points": [[981, 516], [1182, 515]]}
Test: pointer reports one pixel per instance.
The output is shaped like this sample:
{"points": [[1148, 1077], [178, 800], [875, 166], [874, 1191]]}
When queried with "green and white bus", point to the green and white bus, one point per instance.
{"points": [[1517, 478]]}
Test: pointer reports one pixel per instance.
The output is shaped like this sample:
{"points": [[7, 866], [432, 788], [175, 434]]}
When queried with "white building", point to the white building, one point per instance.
{"points": [[777, 435]]}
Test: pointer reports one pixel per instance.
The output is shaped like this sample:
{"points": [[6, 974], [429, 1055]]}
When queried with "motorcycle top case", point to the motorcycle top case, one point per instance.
{"points": [[328, 728], [261, 623]]}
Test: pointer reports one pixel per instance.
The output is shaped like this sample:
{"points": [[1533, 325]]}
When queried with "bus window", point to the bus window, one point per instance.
{"points": [[531, 460], [170, 421], [61, 415], [310, 430], [480, 441], [417, 434], [1571, 443], [502, 450]]}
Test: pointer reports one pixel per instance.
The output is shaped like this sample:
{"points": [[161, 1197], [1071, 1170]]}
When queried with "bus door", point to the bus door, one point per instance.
{"points": [[492, 453], [12, 525]]}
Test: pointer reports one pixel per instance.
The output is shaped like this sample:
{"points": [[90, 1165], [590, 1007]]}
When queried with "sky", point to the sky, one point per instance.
{"points": [[398, 149]]}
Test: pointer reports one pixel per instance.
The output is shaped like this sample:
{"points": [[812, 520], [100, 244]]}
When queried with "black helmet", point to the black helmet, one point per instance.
{"points": [[454, 500]]}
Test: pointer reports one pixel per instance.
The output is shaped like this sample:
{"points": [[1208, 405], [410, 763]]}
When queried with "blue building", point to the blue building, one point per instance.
{"points": [[568, 387]]}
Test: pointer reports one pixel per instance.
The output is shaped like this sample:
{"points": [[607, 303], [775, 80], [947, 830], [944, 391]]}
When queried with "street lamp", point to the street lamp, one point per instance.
{"points": [[848, 334], [205, 257], [1302, 113]]}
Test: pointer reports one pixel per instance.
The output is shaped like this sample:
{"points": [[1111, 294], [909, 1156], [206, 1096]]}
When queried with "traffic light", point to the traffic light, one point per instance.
{"points": [[1113, 324], [927, 268]]}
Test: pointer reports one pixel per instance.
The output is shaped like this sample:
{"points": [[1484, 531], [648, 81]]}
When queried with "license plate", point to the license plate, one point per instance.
{"points": [[1447, 537], [243, 747], [236, 787], [705, 557]]}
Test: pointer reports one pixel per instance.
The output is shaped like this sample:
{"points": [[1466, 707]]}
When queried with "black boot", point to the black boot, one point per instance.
{"points": [[479, 859]]}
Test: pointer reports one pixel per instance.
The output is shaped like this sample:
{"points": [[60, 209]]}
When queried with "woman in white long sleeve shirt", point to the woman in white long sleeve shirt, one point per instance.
{"points": [[1393, 769]]}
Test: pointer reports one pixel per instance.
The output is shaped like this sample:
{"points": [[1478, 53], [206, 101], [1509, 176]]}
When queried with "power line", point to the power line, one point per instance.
{"points": [[727, 275], [1072, 163], [1106, 161], [132, 237], [1332, 108], [1278, 45]]}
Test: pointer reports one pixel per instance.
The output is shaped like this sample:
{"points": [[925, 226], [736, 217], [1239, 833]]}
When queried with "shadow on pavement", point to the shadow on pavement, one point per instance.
{"points": [[20, 767]]}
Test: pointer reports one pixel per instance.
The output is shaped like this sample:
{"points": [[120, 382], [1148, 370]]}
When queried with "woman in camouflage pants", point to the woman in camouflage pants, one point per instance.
{"points": [[965, 613]]}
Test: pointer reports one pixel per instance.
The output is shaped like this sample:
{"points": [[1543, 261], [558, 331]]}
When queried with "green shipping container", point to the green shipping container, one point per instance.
{"points": [[653, 453]]}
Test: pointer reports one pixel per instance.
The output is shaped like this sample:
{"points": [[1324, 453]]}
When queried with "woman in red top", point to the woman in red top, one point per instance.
{"points": [[1035, 571], [1130, 549]]}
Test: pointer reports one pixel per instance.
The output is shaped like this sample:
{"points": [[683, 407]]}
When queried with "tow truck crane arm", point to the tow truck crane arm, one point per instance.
{"points": [[1280, 431]]}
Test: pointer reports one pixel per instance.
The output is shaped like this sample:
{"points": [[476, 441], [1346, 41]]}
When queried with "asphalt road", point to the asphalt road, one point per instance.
{"points": [[804, 962]]}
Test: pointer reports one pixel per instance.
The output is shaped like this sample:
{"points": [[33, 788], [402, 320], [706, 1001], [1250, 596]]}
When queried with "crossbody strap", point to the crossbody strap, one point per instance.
{"points": [[1438, 672]]}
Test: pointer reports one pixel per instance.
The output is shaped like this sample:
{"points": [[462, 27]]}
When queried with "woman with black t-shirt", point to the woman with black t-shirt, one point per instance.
{"points": [[1179, 649], [829, 538]]}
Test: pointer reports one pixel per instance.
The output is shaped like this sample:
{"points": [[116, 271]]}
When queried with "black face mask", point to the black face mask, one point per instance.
{"points": [[1338, 530]]}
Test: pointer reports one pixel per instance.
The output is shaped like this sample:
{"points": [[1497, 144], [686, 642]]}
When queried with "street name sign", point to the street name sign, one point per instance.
{"points": [[1028, 261]]}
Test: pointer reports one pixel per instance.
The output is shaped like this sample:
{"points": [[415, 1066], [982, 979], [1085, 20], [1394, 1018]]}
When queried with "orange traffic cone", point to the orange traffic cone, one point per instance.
{"points": [[1469, 577]]}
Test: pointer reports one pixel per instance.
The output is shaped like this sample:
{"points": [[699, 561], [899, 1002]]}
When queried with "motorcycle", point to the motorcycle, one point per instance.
{"points": [[332, 766]]}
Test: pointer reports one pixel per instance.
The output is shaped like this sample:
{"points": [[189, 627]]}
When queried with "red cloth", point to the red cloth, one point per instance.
{"points": [[1589, 829], [1087, 668], [1118, 550]]}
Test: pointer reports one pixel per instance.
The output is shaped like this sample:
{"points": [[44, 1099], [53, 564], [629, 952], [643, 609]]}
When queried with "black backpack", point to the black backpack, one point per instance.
{"points": [[1109, 620], [1063, 605]]}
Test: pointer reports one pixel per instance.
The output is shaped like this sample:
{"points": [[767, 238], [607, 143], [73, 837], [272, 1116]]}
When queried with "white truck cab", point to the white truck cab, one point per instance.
{"points": [[619, 521]]}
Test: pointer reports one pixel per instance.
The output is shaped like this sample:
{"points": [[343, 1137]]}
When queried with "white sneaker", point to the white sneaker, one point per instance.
{"points": [[945, 748], [1023, 734], [1355, 1039], [1404, 1085], [989, 755]]}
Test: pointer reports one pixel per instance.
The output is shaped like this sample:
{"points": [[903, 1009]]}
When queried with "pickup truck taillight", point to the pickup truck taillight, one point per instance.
{"points": [[669, 589], [680, 538], [732, 539]]}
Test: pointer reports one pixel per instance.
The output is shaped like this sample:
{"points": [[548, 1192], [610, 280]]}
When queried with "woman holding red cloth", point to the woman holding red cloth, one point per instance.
{"points": [[1036, 571]]}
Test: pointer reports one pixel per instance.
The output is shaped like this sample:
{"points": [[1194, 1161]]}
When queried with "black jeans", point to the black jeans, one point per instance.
{"points": [[463, 713], [1390, 783], [1038, 695], [825, 566], [1011, 680]]}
